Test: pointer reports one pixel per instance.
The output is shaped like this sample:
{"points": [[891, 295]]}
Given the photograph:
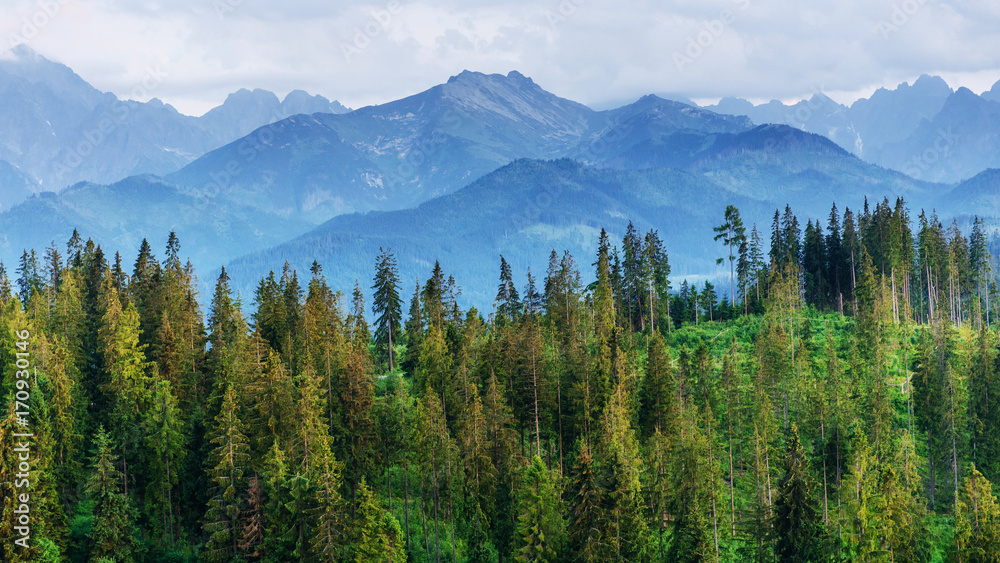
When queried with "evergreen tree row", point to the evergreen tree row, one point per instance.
{"points": [[837, 404]]}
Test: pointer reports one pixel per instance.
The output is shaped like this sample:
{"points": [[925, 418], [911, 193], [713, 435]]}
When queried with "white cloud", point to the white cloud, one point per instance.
{"points": [[595, 51]]}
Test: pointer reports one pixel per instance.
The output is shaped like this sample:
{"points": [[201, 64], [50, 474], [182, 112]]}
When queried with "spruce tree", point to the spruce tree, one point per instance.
{"points": [[587, 528], [977, 522], [508, 301], [386, 304], [163, 428], [797, 526], [112, 535], [376, 536], [228, 463], [328, 533], [540, 527]]}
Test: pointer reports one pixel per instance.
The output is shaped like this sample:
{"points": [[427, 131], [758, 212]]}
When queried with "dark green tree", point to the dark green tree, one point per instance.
{"points": [[540, 529], [228, 464], [386, 304], [112, 536], [797, 527]]}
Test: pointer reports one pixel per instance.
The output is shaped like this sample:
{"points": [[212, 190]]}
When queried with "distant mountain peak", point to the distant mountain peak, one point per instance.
{"points": [[475, 77], [300, 101], [652, 100], [467, 75], [255, 94], [515, 75], [819, 99], [23, 51], [24, 61], [513, 96], [963, 97], [993, 94], [931, 83]]}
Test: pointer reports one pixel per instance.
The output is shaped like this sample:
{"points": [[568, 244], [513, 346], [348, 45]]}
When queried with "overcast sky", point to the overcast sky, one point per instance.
{"points": [[597, 52]]}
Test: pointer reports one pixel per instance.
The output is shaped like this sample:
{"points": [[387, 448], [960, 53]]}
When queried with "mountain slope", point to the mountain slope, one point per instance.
{"points": [[993, 94], [819, 115], [15, 186], [59, 130], [523, 211], [979, 195], [120, 215], [891, 115], [781, 164], [527, 208], [960, 141], [402, 153]]}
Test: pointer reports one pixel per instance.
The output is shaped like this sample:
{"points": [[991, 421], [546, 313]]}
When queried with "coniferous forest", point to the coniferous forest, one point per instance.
{"points": [[836, 398]]}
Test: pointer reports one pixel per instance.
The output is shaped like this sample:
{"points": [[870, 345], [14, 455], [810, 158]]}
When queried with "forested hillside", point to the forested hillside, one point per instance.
{"points": [[842, 407]]}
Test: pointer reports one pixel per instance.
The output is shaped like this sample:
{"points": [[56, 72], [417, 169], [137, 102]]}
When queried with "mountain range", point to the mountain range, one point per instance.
{"points": [[57, 130], [399, 154], [926, 130], [479, 166]]}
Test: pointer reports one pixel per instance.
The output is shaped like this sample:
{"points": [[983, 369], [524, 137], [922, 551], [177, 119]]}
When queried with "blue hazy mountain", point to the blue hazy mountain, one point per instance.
{"points": [[926, 130], [59, 130], [120, 215], [16, 185], [246, 110], [819, 114], [466, 170], [399, 154], [959, 142], [977, 196], [890, 116], [530, 207], [292, 175], [863, 128], [993, 94]]}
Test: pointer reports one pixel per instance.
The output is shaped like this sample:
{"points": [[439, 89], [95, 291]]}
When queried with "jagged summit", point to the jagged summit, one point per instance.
{"points": [[993, 94]]}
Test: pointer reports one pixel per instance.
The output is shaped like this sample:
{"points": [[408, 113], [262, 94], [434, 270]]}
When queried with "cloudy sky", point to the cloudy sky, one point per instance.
{"points": [[598, 52]]}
